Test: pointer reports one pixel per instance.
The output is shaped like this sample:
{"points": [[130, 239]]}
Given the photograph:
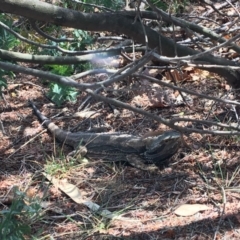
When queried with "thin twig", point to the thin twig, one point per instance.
{"points": [[45, 130]]}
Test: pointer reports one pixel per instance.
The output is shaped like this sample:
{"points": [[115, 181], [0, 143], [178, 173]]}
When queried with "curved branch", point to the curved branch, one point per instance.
{"points": [[45, 59], [45, 35]]}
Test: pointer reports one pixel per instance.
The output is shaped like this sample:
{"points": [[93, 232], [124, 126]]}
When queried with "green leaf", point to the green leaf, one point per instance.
{"points": [[59, 93]]}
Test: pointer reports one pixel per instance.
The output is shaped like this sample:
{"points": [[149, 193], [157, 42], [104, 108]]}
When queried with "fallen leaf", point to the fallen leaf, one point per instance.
{"points": [[190, 209], [74, 193], [86, 114]]}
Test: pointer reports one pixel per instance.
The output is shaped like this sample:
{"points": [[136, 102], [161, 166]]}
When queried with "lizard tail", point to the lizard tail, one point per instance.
{"points": [[41, 117], [52, 127]]}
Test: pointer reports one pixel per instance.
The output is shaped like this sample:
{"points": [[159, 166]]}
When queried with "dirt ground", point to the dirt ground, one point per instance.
{"points": [[204, 173], [197, 174]]}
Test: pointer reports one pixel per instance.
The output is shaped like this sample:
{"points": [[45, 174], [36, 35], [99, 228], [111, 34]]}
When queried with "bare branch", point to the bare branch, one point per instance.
{"points": [[186, 90], [90, 56]]}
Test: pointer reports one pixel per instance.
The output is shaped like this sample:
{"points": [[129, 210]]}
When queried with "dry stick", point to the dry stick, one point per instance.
{"points": [[219, 6], [222, 213], [207, 2], [2, 128], [45, 130], [47, 46], [194, 27], [82, 56], [152, 79], [126, 57], [205, 65], [229, 2], [69, 82], [93, 71], [132, 66], [143, 27], [94, 5], [17, 35], [169, 123], [201, 54], [45, 35], [174, 120], [181, 94]]}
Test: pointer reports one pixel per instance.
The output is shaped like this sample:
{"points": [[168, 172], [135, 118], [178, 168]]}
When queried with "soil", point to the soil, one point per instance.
{"points": [[195, 175]]}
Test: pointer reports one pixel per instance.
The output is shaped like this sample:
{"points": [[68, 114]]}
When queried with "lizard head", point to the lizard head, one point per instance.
{"points": [[162, 147]]}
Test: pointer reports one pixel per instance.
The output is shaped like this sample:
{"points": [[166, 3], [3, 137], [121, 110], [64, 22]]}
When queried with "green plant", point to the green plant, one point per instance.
{"points": [[63, 70], [59, 93], [7, 40], [83, 40], [178, 6], [159, 4], [15, 222], [59, 165], [3, 81]]}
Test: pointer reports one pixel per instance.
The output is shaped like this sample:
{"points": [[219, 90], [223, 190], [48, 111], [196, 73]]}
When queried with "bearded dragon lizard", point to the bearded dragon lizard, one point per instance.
{"points": [[135, 150]]}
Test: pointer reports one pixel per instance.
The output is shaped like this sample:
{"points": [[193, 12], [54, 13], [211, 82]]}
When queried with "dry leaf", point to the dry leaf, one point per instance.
{"points": [[71, 190], [195, 77], [188, 69], [190, 209], [177, 75], [74, 193], [86, 114]]}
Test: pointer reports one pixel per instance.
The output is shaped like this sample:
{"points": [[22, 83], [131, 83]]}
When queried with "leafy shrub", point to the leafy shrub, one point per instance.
{"points": [[3, 81], [15, 221], [7, 40], [60, 93]]}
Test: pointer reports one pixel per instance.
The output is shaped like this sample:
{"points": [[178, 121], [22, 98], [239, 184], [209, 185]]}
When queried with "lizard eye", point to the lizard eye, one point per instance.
{"points": [[163, 151]]}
